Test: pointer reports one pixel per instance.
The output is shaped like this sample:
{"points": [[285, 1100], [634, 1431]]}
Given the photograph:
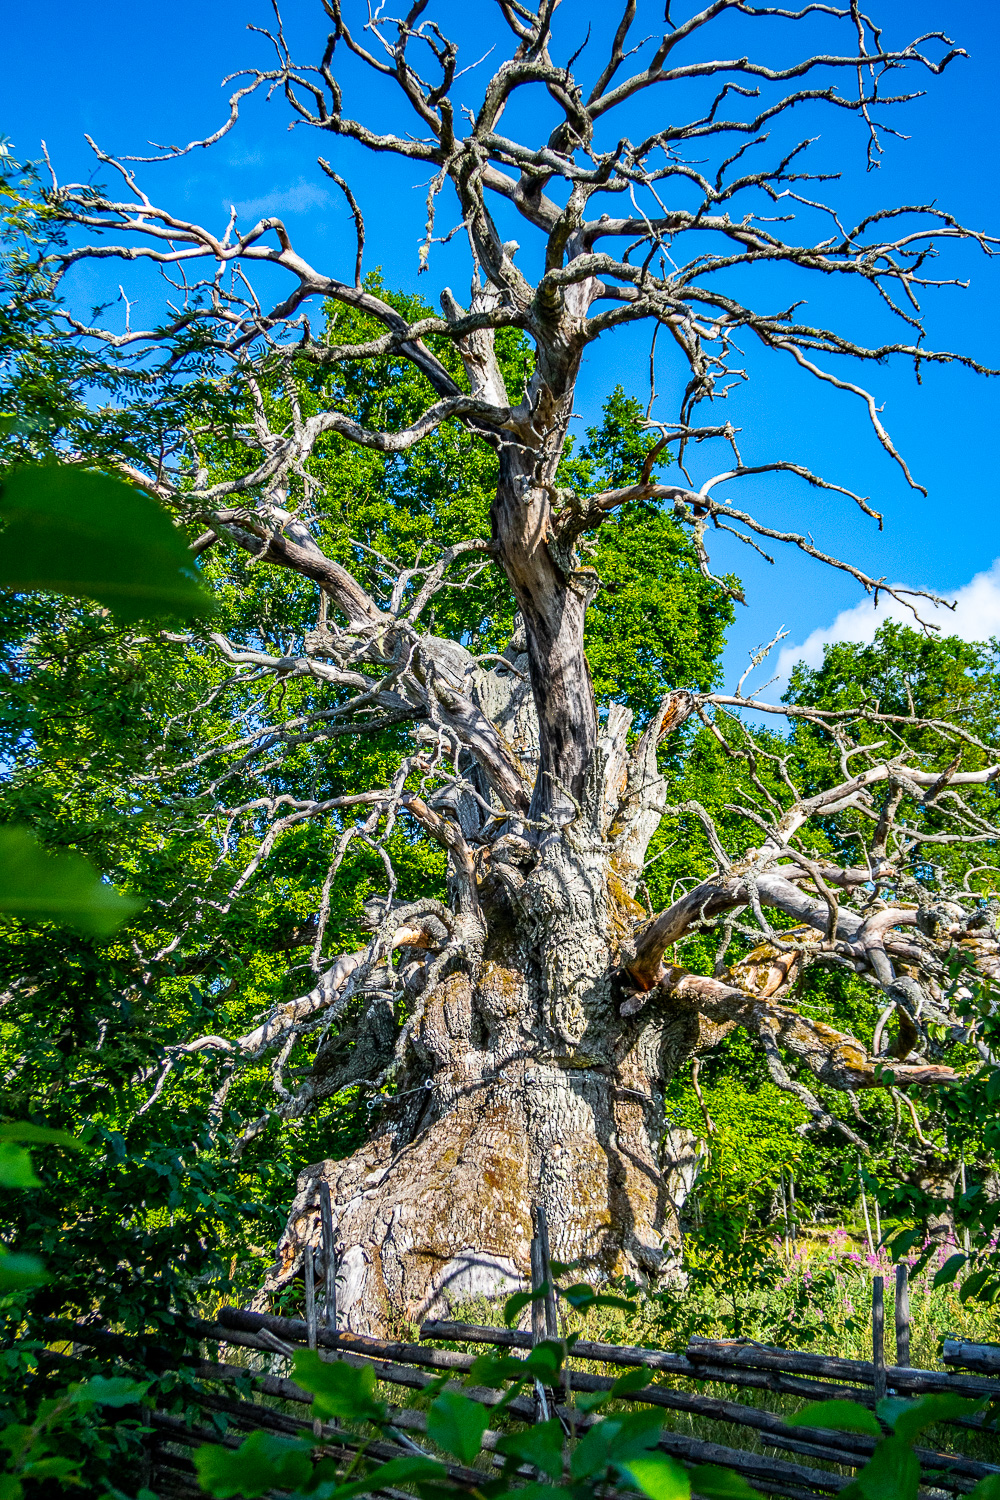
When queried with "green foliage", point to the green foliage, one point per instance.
{"points": [[613, 1442], [424, 1471], [632, 1380], [541, 1446], [339, 1390], [754, 1137], [893, 1472], [457, 1425], [906, 673], [732, 1251], [583, 1297], [838, 1416], [908, 1419], [515, 1305], [949, 1270], [542, 1363], [968, 1118], [52, 1447], [758, 1129], [68, 531], [655, 623], [16, 1170], [73, 531], [101, 518], [262, 1462], [714, 1483], [18, 1273], [658, 1476], [36, 885]]}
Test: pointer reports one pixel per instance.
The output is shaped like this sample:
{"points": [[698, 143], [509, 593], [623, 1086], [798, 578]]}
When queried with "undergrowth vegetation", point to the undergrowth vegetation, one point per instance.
{"points": [[817, 1296]]}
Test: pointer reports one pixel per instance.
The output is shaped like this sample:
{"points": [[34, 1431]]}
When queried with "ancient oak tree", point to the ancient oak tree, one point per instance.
{"points": [[522, 1032]]}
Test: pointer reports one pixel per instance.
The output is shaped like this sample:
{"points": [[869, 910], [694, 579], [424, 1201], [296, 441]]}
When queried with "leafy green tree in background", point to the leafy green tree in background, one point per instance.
{"points": [[935, 1164]]}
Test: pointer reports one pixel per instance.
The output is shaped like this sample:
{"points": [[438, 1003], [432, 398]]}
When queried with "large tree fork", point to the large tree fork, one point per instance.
{"points": [[886, 943]]}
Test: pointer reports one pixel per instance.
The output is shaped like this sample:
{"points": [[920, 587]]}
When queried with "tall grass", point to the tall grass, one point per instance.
{"points": [[817, 1296]]}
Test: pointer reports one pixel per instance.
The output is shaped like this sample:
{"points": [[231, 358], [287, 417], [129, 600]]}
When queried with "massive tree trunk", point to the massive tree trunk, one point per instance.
{"points": [[519, 1080], [436, 1209]]}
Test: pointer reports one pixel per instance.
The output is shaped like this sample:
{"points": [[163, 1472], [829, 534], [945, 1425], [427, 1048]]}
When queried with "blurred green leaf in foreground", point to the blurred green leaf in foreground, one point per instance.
{"points": [[74, 531], [38, 885]]}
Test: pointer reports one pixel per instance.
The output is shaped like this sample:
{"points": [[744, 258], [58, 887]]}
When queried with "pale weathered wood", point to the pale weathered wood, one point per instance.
{"points": [[970, 1356]]}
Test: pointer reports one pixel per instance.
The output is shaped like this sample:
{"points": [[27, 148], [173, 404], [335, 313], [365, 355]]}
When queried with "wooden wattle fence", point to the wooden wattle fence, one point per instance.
{"points": [[225, 1400], [232, 1391]]}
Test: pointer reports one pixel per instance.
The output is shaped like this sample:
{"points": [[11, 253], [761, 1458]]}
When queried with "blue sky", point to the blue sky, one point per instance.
{"points": [[128, 73]]}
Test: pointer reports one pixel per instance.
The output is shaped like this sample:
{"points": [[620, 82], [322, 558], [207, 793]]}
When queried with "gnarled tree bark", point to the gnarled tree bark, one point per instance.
{"points": [[519, 1081]]}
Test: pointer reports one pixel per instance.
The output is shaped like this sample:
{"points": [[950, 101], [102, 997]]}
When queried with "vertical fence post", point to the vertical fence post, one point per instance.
{"points": [[309, 1271], [963, 1185], [328, 1246], [538, 1311], [878, 1336], [329, 1257], [903, 1314], [542, 1230]]}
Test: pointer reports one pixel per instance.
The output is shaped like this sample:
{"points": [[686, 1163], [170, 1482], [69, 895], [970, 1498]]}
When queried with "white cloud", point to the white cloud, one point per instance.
{"points": [[976, 617], [297, 199]]}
